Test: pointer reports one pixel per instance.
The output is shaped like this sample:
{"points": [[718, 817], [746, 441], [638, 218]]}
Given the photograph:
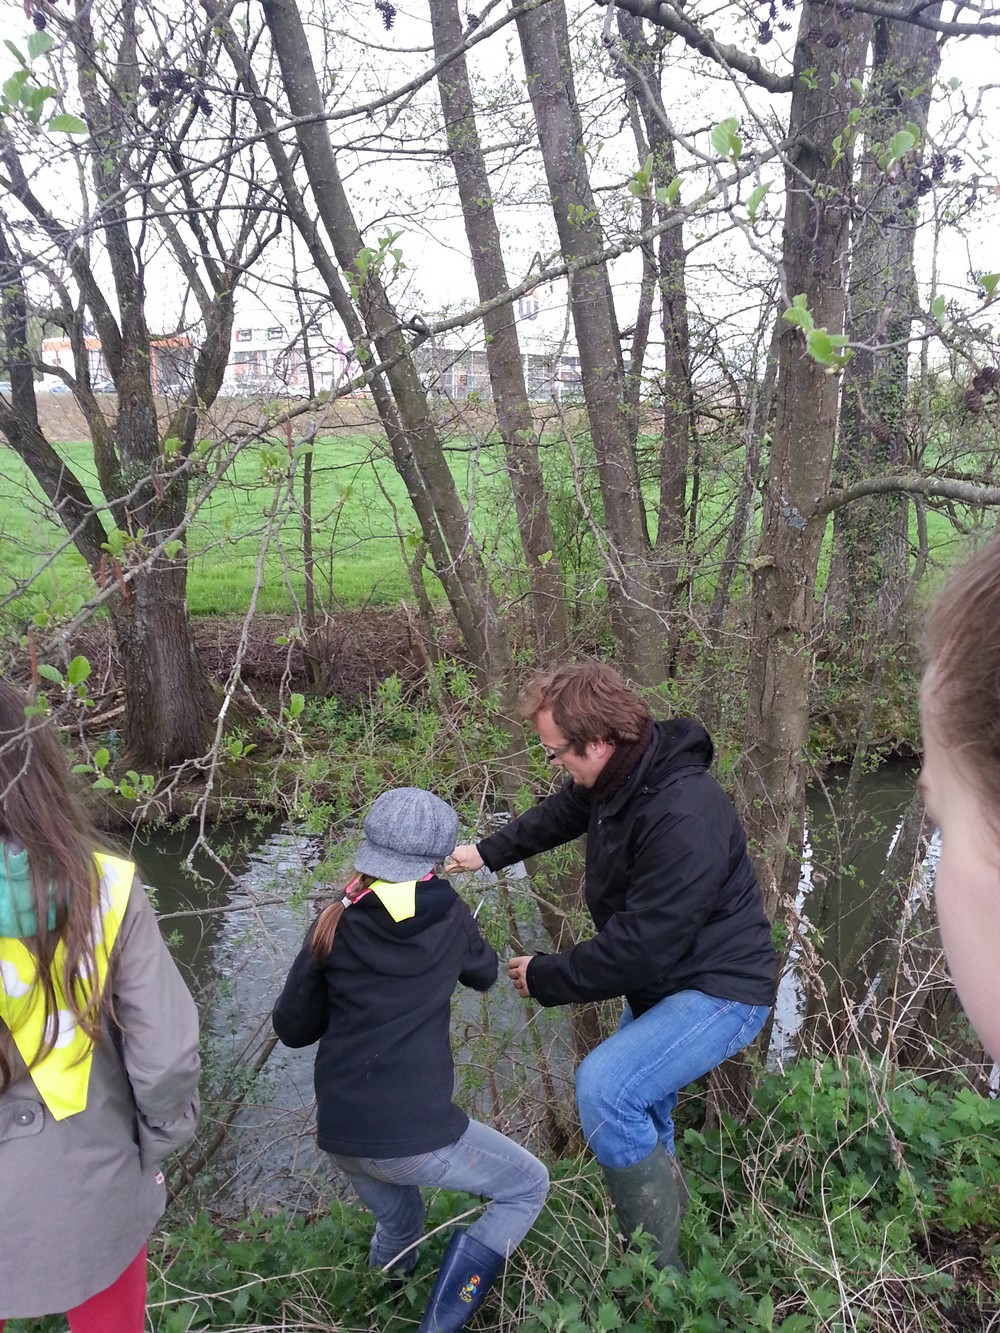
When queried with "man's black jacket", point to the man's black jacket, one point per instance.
{"points": [[670, 885], [380, 1008]]}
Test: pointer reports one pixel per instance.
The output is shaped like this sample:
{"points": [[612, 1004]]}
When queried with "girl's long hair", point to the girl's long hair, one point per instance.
{"points": [[326, 923], [41, 809]]}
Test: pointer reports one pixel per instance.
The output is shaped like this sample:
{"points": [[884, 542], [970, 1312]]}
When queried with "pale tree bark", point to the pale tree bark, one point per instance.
{"points": [[868, 579], [407, 420], [503, 352], [830, 51], [634, 587]]}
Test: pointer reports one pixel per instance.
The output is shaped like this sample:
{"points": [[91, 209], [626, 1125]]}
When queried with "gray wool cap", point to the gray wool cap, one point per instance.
{"points": [[407, 832]]}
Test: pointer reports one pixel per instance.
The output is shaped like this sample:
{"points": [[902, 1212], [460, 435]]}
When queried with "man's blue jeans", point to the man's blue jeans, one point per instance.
{"points": [[482, 1161], [626, 1089]]}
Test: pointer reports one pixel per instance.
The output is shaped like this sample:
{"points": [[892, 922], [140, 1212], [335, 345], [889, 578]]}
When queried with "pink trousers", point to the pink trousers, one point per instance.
{"points": [[120, 1308]]}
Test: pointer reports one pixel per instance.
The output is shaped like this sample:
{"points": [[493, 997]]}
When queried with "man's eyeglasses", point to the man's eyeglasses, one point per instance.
{"points": [[552, 755]]}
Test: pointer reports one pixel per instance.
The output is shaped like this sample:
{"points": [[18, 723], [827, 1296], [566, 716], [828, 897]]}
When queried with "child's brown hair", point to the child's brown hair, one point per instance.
{"points": [[326, 923]]}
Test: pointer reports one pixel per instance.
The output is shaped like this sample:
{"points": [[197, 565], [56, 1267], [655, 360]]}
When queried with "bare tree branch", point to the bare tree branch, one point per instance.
{"points": [[944, 488], [664, 14], [918, 16]]}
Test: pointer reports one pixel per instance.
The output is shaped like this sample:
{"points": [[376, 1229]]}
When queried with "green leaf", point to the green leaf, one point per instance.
{"points": [[102, 758], [798, 313], [12, 87], [669, 193], [899, 145], [51, 673], [725, 140], [15, 52], [36, 97], [765, 1313], [858, 86], [938, 308], [823, 347], [296, 704], [39, 43], [172, 549], [988, 282], [116, 542], [104, 784], [78, 671], [67, 124], [754, 201]]}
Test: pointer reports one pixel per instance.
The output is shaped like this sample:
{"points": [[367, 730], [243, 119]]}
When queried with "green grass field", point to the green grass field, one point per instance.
{"points": [[360, 512]]}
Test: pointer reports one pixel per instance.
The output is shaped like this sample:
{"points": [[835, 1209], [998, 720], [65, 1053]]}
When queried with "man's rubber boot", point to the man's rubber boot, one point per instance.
{"points": [[649, 1195], [467, 1272]]}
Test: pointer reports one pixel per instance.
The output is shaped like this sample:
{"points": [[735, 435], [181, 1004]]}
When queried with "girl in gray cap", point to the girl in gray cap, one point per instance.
{"points": [[373, 986]]}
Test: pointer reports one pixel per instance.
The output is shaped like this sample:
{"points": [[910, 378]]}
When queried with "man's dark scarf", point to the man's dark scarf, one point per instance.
{"points": [[622, 764]]}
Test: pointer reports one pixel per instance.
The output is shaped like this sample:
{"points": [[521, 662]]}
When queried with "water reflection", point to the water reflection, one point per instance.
{"points": [[844, 858]]}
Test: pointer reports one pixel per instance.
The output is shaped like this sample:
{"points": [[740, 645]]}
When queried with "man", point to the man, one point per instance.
{"points": [[681, 930]]}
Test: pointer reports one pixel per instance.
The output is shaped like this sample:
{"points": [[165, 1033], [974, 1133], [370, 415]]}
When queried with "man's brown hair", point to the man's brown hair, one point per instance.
{"points": [[962, 637], [589, 701]]}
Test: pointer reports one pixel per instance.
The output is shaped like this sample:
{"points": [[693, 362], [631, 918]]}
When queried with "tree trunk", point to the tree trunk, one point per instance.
{"points": [[643, 79], [503, 351], [545, 49], [416, 449], [167, 696], [830, 52], [868, 580]]}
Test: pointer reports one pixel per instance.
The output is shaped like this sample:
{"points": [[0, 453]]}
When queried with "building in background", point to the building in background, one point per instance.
{"points": [[172, 363], [458, 373], [271, 357]]}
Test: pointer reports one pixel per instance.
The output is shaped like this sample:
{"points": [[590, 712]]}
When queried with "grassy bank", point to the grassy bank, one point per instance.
{"points": [[850, 1200]]}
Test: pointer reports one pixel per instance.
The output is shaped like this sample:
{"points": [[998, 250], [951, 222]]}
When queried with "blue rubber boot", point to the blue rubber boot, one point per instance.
{"points": [[467, 1272]]}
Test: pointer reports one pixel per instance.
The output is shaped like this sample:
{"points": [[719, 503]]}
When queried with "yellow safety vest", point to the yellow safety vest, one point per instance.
{"points": [[62, 1077]]}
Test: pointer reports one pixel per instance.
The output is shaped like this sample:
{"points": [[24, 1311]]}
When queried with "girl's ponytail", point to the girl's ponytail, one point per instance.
{"points": [[325, 928]]}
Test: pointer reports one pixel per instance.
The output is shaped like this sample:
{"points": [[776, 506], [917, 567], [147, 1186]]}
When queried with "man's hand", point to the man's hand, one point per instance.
{"points": [[464, 857], [517, 970]]}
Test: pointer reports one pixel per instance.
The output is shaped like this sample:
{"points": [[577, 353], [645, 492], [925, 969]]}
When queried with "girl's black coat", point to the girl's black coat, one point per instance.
{"points": [[379, 1006], [670, 885]]}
